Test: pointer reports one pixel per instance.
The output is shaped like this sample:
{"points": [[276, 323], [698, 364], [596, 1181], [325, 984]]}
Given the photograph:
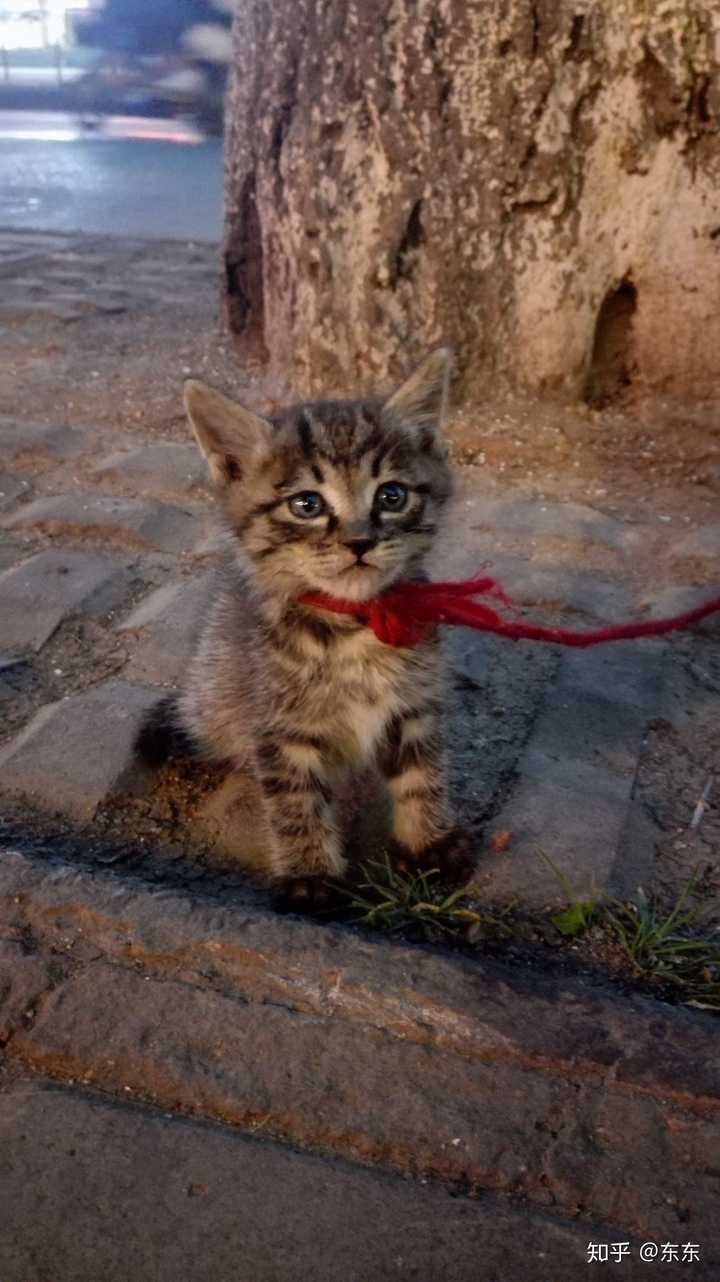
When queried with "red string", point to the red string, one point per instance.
{"points": [[405, 614]]}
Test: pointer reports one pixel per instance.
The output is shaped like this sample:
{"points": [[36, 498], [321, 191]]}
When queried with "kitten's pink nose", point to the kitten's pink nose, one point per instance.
{"points": [[359, 546]]}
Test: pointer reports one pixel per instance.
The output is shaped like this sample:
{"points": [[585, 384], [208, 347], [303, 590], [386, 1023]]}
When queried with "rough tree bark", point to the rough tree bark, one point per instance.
{"points": [[535, 181]]}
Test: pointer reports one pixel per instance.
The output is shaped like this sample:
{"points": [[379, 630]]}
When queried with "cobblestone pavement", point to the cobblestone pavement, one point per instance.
{"points": [[106, 548], [106, 552], [67, 278]]}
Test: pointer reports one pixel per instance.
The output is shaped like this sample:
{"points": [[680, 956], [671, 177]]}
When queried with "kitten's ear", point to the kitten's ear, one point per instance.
{"points": [[230, 437], [422, 398]]}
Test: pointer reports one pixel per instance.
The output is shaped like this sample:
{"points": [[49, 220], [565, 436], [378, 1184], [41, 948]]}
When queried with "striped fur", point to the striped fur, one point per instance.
{"points": [[296, 693]]}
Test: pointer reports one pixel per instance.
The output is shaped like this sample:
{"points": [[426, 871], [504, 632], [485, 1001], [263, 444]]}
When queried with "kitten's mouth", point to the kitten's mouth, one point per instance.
{"points": [[360, 581], [358, 565]]}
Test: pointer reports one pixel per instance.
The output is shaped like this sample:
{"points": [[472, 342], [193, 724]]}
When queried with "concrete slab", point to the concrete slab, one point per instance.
{"points": [[98, 1190]]}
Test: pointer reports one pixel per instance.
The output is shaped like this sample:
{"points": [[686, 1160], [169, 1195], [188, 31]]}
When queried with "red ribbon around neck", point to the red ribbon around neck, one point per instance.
{"points": [[406, 613]]}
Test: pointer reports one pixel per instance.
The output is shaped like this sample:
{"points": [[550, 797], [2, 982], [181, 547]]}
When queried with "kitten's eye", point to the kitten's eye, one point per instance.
{"points": [[307, 504], [391, 497]]}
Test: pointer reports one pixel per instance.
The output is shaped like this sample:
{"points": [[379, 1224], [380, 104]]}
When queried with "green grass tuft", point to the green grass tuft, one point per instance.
{"points": [[667, 949], [414, 902], [580, 914], [670, 948]]}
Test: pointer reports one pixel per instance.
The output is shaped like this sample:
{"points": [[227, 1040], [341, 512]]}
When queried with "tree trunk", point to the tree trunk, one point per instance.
{"points": [[536, 182]]}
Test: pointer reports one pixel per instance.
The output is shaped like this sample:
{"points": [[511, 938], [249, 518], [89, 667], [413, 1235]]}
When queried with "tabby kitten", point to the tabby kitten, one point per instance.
{"points": [[341, 497]]}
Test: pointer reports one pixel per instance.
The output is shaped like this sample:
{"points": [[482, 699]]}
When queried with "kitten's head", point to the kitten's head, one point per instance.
{"points": [[341, 497]]}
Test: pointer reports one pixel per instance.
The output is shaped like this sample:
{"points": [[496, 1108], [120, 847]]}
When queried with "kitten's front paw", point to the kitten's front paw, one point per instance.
{"points": [[309, 895], [451, 855]]}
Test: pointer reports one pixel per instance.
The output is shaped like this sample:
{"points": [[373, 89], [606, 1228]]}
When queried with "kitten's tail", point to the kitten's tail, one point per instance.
{"points": [[161, 734]]}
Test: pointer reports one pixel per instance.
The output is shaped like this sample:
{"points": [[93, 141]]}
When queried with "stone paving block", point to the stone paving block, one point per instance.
{"points": [[538, 585], [573, 774], [579, 830], [575, 782], [143, 523], [15, 261], [15, 305], [571, 521], [39, 296], [163, 469], [37, 595], [60, 274], [12, 488], [15, 243], [77, 753], [635, 857], [168, 620], [27, 445], [703, 543], [10, 554], [677, 600], [630, 672], [102, 299], [533, 583], [590, 728], [583, 591]]}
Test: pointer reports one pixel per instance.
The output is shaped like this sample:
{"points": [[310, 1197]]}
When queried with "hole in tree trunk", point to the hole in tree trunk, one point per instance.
{"points": [[244, 272], [406, 252], [613, 363], [575, 42]]}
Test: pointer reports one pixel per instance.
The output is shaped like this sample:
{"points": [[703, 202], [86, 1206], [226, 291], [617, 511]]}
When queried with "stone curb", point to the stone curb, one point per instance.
{"points": [[547, 1088]]}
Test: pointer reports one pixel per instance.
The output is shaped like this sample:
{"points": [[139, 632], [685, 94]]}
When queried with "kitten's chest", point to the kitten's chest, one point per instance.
{"points": [[366, 685]]}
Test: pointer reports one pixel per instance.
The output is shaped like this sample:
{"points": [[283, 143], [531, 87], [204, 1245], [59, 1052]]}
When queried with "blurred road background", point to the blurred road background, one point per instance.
{"points": [[111, 116], [129, 176]]}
